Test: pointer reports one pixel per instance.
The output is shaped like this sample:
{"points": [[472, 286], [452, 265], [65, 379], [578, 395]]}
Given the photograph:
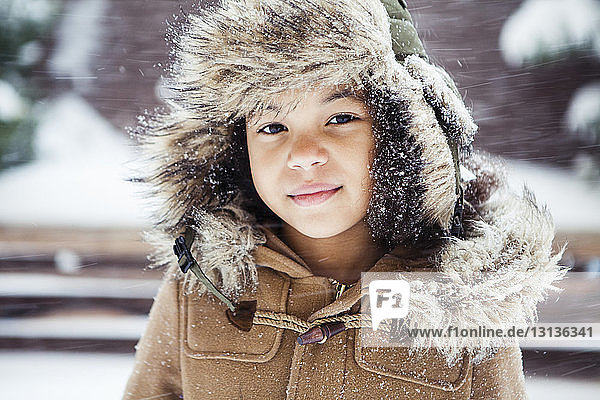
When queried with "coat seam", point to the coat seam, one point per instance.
{"points": [[345, 372], [295, 369], [453, 386]]}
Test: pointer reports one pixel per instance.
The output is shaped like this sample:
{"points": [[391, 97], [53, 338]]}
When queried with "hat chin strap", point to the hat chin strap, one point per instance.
{"points": [[405, 42], [456, 226]]}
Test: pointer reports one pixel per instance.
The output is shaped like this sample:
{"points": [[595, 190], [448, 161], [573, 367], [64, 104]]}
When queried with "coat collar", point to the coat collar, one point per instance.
{"points": [[275, 254]]}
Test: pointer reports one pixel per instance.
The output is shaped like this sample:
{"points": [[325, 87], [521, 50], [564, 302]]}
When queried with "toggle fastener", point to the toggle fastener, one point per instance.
{"points": [[320, 333]]}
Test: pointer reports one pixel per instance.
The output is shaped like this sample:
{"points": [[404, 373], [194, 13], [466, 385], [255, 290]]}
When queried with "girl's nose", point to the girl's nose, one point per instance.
{"points": [[306, 151]]}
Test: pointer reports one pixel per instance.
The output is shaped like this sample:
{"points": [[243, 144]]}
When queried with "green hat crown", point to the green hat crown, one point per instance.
{"points": [[405, 40]]}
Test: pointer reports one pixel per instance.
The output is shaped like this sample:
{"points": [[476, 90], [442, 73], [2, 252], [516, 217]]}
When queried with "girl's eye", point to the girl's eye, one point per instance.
{"points": [[272, 129], [342, 119]]}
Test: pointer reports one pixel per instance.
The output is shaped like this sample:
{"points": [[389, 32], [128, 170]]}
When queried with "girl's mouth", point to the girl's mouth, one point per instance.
{"points": [[313, 199]]}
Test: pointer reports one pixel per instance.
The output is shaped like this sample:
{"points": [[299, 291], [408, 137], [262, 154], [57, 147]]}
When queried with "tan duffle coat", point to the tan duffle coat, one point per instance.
{"points": [[500, 269], [190, 350]]}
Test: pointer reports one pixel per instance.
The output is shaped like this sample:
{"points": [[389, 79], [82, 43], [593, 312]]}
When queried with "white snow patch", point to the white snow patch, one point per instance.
{"points": [[51, 285], [67, 261], [30, 53], [79, 176], [110, 327], [79, 38], [12, 105], [560, 389], [583, 115], [63, 375], [573, 202], [541, 28]]}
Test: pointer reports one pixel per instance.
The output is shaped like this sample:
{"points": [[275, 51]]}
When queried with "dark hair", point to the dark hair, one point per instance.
{"points": [[395, 214], [241, 161]]}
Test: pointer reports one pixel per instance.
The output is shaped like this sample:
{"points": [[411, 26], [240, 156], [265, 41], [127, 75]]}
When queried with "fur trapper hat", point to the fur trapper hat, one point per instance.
{"points": [[232, 57]]}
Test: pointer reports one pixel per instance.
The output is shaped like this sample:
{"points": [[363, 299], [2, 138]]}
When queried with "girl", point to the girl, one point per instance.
{"points": [[305, 143]]}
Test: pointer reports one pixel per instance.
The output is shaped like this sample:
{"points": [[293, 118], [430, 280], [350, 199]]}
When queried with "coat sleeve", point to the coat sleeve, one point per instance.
{"points": [[157, 371], [499, 377]]}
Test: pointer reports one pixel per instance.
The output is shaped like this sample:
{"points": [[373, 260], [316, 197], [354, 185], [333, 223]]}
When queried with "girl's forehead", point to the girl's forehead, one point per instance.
{"points": [[286, 101]]}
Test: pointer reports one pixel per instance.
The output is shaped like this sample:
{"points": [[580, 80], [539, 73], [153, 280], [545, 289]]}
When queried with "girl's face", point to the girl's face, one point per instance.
{"points": [[311, 165]]}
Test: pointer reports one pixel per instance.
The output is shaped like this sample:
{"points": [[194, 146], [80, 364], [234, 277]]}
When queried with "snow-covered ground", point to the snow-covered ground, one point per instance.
{"points": [[79, 177], [573, 202], [64, 376], [560, 389], [87, 326], [75, 376]]}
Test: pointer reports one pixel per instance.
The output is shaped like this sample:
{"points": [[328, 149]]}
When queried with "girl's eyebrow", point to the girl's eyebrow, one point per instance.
{"points": [[339, 95]]}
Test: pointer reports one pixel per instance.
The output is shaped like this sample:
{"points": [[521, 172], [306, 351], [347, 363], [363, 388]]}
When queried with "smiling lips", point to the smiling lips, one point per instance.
{"points": [[311, 195]]}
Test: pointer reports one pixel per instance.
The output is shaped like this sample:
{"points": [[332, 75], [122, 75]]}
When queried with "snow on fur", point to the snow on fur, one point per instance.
{"points": [[233, 59], [496, 276]]}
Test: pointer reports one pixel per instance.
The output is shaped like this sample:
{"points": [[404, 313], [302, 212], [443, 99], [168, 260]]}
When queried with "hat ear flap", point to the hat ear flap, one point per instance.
{"points": [[443, 97]]}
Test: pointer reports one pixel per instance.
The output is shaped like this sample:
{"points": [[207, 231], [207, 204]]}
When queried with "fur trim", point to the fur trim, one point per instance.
{"points": [[237, 56], [443, 96], [495, 277], [438, 169], [231, 60], [222, 247]]}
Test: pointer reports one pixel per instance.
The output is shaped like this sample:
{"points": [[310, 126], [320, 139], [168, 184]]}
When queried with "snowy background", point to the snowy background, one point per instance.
{"points": [[75, 73]]}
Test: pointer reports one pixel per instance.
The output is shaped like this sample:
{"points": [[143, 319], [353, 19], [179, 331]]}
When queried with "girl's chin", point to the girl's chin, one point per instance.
{"points": [[320, 229]]}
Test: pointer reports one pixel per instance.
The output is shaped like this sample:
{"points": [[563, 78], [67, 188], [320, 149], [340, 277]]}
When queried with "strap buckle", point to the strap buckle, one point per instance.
{"points": [[240, 315], [184, 256]]}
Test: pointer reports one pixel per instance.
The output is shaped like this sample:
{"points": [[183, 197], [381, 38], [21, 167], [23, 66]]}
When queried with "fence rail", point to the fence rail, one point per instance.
{"points": [[98, 300]]}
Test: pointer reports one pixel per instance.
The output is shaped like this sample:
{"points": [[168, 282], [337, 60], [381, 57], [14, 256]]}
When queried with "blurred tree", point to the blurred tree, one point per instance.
{"points": [[23, 26], [545, 31]]}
